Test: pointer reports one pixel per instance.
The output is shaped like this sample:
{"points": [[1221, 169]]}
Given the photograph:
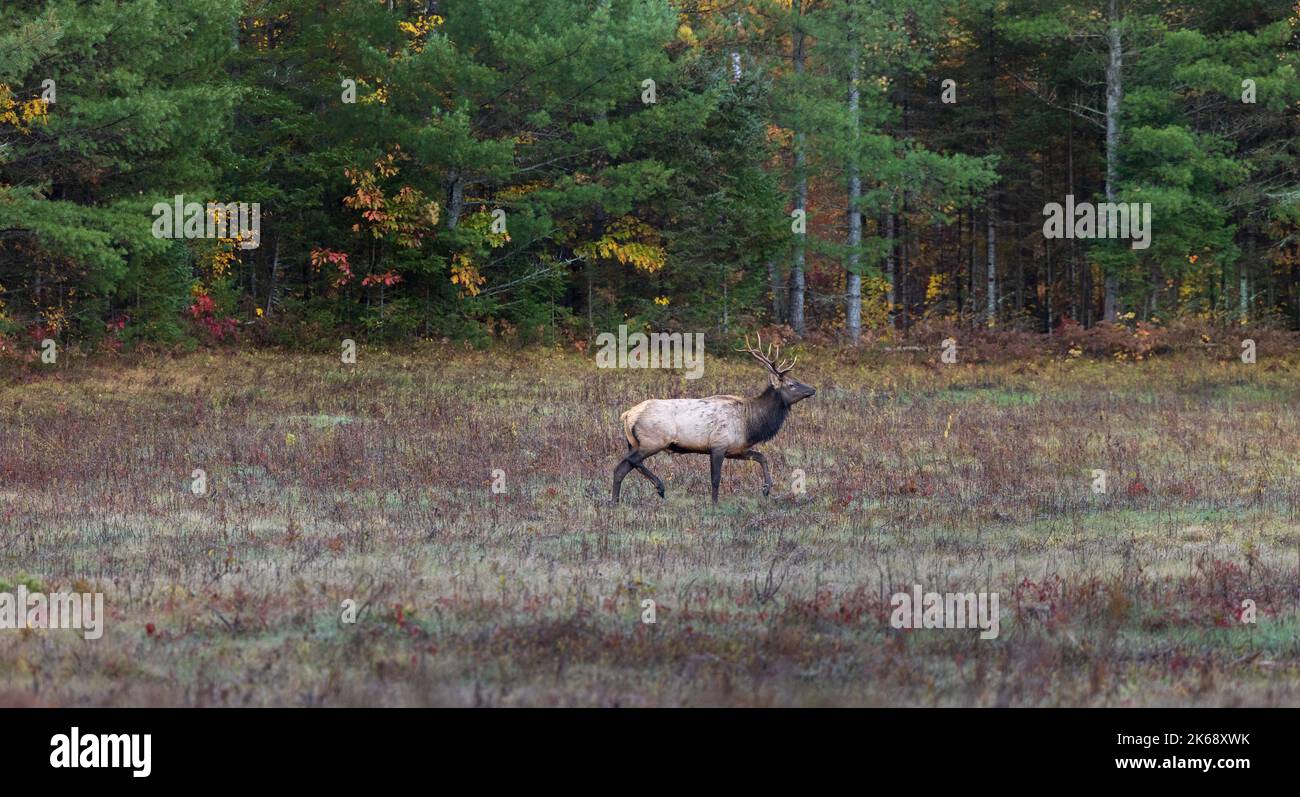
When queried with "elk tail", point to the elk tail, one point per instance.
{"points": [[629, 429]]}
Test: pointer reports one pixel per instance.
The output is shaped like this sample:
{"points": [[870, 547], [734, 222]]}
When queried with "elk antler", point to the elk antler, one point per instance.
{"points": [[766, 358]]}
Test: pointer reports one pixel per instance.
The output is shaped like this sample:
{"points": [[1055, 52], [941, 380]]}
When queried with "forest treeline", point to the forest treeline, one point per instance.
{"points": [[551, 169]]}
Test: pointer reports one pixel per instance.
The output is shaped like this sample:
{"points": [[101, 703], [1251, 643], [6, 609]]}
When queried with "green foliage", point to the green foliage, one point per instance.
{"points": [[138, 89], [381, 211]]}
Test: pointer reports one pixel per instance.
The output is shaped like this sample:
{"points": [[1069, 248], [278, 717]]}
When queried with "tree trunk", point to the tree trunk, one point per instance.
{"points": [[853, 310], [591, 313], [777, 288], [904, 254], [726, 302], [801, 190], [958, 282], [991, 263], [991, 221], [1114, 95], [1047, 290], [1074, 281], [1293, 291], [1020, 267], [1243, 292], [891, 264], [1246, 260], [455, 198], [275, 277], [736, 71], [970, 272]]}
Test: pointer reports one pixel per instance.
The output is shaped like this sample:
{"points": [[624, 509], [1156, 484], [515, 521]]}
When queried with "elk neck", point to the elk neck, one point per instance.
{"points": [[764, 415]]}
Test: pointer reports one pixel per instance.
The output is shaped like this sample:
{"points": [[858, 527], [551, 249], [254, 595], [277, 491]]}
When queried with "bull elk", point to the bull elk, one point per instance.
{"points": [[724, 427]]}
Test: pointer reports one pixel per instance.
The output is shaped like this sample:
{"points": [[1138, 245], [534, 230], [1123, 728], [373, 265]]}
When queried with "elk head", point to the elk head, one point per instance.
{"points": [[788, 388]]}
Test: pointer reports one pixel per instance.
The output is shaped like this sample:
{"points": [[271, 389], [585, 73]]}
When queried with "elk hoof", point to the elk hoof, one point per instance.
{"points": [[767, 490], [661, 492]]}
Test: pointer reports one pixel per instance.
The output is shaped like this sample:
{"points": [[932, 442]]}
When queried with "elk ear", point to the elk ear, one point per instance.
{"points": [[776, 380]]}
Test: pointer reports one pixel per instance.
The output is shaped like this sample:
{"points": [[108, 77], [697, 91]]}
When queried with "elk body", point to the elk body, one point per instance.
{"points": [[724, 427]]}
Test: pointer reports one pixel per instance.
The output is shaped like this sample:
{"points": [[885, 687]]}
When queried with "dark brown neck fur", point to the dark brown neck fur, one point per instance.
{"points": [[764, 415]]}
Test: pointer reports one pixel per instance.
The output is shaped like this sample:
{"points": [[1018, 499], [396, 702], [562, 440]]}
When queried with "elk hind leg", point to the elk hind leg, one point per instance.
{"points": [[649, 474], [758, 457], [633, 460]]}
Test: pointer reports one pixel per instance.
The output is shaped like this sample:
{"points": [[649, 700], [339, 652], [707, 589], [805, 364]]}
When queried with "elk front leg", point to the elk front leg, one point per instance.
{"points": [[715, 470], [762, 463]]}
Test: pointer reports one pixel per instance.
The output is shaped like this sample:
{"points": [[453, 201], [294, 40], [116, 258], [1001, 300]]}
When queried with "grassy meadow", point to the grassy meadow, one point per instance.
{"points": [[373, 483]]}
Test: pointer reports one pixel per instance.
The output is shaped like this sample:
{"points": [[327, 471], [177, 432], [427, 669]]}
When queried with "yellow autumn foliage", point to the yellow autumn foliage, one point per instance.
{"points": [[419, 29], [465, 274], [629, 241], [935, 288], [21, 115]]}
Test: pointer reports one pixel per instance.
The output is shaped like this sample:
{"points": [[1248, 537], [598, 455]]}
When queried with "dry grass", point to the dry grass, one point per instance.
{"points": [[964, 476]]}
